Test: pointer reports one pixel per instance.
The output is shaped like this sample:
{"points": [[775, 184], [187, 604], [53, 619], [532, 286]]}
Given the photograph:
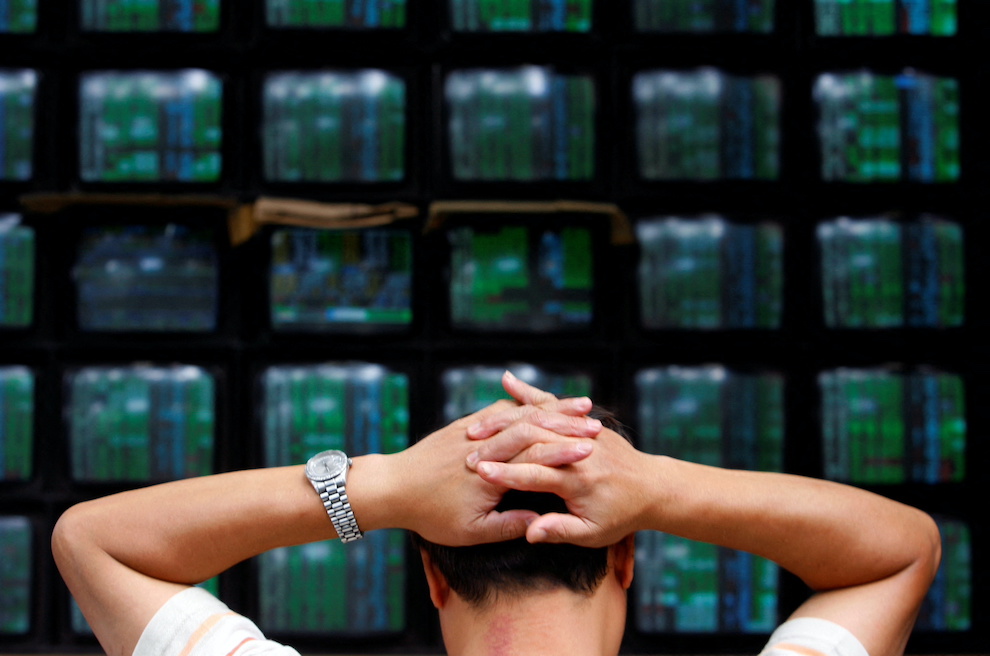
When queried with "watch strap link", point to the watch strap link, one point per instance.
{"points": [[338, 507]]}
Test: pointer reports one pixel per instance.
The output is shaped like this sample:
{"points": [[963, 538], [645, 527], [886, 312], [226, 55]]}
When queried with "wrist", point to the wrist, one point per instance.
{"points": [[374, 492], [659, 491]]}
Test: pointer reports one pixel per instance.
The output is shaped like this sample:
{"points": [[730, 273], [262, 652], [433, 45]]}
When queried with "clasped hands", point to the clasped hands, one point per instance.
{"points": [[456, 476]]}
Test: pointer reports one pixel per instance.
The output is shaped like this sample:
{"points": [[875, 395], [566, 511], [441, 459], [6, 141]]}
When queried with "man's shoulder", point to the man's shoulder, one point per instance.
{"points": [[195, 623], [811, 636]]}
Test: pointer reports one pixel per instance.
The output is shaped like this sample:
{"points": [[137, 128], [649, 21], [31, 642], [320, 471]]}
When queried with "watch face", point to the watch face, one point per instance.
{"points": [[326, 465]]}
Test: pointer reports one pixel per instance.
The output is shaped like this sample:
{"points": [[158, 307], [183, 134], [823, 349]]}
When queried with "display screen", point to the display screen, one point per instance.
{"points": [[16, 564], [471, 388], [336, 14], [333, 126], [706, 125], [150, 15], [18, 16], [520, 124], [17, 254], [683, 586], [878, 273], [140, 423], [17, 97], [885, 17], [150, 126], [882, 128], [948, 604], [708, 273], [147, 278], [356, 407], [327, 587], [522, 16], [513, 277], [16, 423], [712, 416], [887, 427], [322, 280], [333, 588], [706, 16]]}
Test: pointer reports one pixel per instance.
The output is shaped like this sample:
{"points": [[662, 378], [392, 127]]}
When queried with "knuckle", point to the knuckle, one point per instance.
{"points": [[541, 417], [504, 405], [506, 531], [537, 454]]}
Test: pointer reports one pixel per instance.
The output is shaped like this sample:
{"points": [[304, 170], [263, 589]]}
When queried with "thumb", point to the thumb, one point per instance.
{"points": [[560, 527], [502, 526]]}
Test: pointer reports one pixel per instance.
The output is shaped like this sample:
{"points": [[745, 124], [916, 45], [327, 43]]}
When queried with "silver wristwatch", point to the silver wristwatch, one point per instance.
{"points": [[327, 471]]}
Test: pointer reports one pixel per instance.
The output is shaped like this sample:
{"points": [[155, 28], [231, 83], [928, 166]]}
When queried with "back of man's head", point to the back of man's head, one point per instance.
{"points": [[478, 574]]}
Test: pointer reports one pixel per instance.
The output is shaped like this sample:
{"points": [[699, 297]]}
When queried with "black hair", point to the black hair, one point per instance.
{"points": [[481, 572]]}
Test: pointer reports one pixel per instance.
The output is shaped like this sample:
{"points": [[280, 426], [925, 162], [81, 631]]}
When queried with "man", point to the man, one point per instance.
{"points": [[129, 559]]}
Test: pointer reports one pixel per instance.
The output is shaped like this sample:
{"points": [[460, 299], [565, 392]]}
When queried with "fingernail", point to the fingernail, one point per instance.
{"points": [[509, 374], [474, 428], [594, 424], [486, 468], [536, 535], [472, 459], [584, 448]]}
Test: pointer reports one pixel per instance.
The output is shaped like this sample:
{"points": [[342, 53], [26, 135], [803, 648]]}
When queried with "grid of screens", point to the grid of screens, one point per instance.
{"points": [[885, 128], [147, 278], [17, 252], [948, 605], [713, 416], [18, 16], [683, 586], [512, 281], [150, 126], [16, 565], [706, 125], [706, 16], [334, 126], [885, 17], [322, 280], [17, 94], [882, 274], [709, 273], [149, 16], [328, 587], [520, 124], [469, 389], [523, 16], [514, 277], [887, 427], [140, 423], [16, 423], [336, 14]]}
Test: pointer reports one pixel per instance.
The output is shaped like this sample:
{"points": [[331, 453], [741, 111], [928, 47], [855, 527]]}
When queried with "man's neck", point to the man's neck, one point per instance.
{"points": [[545, 623]]}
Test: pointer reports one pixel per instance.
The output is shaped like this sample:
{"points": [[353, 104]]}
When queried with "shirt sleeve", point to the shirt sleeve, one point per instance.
{"points": [[809, 636], [195, 623]]}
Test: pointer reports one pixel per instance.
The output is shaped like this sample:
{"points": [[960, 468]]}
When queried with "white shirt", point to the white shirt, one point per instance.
{"points": [[195, 623]]}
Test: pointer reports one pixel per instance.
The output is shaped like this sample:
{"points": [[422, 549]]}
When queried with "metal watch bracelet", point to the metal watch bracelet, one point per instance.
{"points": [[339, 509]]}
